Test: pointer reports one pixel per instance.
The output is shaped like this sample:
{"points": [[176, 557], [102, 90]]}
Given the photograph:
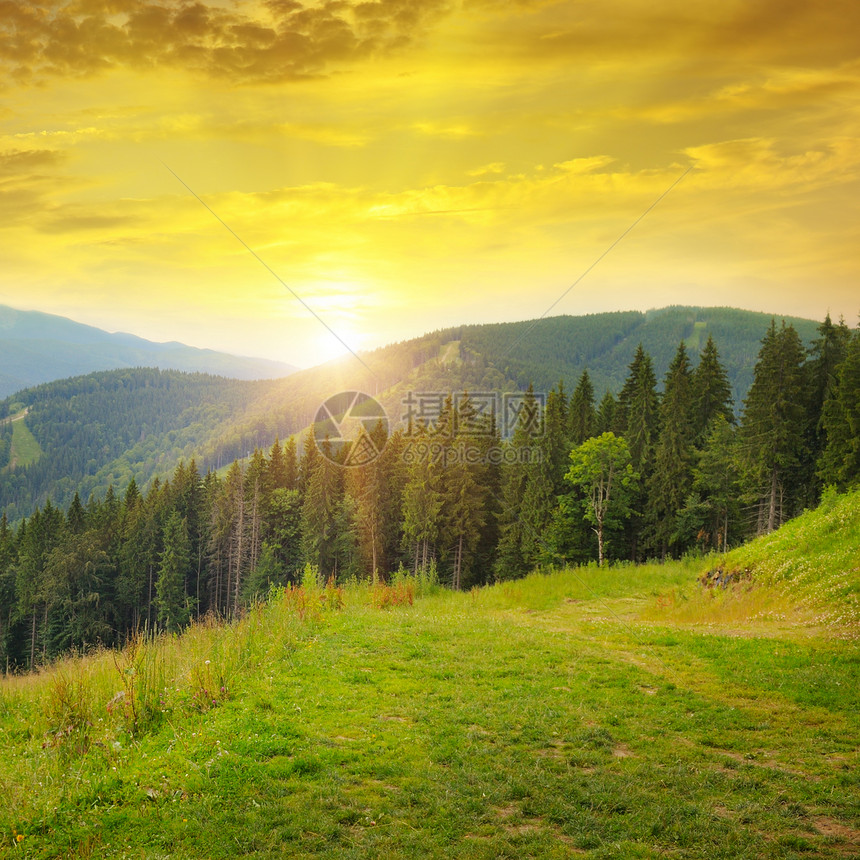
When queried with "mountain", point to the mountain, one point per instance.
{"points": [[103, 429], [37, 347], [544, 351]]}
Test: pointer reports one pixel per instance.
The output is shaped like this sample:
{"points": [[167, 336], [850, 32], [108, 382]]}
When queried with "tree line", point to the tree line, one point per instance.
{"points": [[646, 473]]}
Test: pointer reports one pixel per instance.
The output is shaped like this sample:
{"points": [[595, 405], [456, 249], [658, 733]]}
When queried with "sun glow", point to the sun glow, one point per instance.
{"points": [[407, 172]]}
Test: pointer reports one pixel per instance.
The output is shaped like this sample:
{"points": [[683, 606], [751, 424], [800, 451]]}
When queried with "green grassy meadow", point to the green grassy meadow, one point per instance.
{"points": [[600, 713], [25, 448]]}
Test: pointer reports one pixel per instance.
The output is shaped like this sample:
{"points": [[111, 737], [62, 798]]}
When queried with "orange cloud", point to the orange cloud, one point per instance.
{"points": [[278, 41]]}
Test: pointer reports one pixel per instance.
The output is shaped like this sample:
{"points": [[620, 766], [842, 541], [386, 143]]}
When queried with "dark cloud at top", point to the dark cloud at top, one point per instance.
{"points": [[275, 40]]}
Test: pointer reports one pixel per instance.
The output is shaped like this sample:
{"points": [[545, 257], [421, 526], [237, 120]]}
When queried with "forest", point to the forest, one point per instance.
{"points": [[652, 472]]}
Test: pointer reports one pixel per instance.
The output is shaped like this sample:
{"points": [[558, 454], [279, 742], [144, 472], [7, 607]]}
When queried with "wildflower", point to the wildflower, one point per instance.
{"points": [[19, 837]]}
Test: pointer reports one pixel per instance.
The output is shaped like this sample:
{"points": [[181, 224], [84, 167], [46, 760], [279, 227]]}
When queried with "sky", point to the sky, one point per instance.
{"points": [[227, 173]]}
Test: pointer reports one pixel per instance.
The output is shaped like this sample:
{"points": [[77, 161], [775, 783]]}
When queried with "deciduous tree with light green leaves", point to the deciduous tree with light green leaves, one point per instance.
{"points": [[601, 468]]}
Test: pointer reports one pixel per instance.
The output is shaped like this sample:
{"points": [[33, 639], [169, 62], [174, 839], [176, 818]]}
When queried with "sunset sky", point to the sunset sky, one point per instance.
{"points": [[406, 165]]}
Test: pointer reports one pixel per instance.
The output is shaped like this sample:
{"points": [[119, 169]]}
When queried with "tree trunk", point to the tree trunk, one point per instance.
{"points": [[599, 531], [33, 642], [771, 514], [458, 564]]}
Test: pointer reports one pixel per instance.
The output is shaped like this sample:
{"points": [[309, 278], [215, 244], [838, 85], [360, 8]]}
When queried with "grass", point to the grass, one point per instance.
{"points": [[25, 448], [596, 713]]}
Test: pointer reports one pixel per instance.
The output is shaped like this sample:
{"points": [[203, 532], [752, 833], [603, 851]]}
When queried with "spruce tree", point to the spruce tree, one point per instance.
{"points": [[464, 495], [319, 510], [422, 500], [510, 562], [171, 601], [291, 465], [670, 482], [839, 462], [606, 418], [772, 427], [582, 417], [715, 479], [637, 420], [276, 471], [826, 355], [712, 394]]}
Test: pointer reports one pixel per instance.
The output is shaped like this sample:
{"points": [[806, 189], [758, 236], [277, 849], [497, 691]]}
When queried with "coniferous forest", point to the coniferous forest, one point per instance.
{"points": [[652, 472]]}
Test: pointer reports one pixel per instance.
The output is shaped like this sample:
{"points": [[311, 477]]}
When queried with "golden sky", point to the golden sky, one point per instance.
{"points": [[406, 165]]}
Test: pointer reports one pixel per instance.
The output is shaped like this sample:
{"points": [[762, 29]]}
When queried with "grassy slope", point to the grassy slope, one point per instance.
{"points": [[585, 713], [804, 576], [25, 448]]}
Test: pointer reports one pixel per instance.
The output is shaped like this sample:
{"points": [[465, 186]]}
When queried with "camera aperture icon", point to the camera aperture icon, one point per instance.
{"points": [[344, 428]]}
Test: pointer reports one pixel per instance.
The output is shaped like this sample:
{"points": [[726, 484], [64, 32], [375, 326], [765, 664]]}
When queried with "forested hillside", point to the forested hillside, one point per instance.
{"points": [[556, 348], [217, 429], [85, 428], [644, 474]]}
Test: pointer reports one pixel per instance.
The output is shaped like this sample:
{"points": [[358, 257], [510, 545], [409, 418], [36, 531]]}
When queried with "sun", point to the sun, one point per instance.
{"points": [[337, 339]]}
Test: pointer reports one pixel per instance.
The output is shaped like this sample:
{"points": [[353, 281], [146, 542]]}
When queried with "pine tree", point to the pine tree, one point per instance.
{"points": [[422, 500], [582, 417], [606, 418], [545, 483], [637, 413], [283, 528], [510, 563], [291, 465], [171, 601], [276, 477], [772, 426], [671, 480], [839, 462], [712, 395], [319, 510], [464, 495], [826, 356], [76, 515], [715, 478], [637, 421]]}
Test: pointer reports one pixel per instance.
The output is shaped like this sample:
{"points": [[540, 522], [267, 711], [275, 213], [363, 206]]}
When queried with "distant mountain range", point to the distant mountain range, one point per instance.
{"points": [[105, 428], [38, 347]]}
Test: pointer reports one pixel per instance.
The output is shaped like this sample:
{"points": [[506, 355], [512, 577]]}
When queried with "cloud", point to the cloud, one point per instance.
{"points": [[248, 42], [22, 163]]}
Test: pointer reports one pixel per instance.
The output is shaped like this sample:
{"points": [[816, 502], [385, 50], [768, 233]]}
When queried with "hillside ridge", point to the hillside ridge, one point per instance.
{"points": [[37, 347]]}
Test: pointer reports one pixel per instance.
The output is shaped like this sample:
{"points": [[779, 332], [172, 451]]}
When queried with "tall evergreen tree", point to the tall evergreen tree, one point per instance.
{"points": [[582, 417], [715, 479], [670, 482], [637, 420], [464, 497], [712, 394], [276, 477], [826, 356], [510, 562], [422, 500], [319, 511], [772, 427], [839, 462], [606, 418], [171, 600]]}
